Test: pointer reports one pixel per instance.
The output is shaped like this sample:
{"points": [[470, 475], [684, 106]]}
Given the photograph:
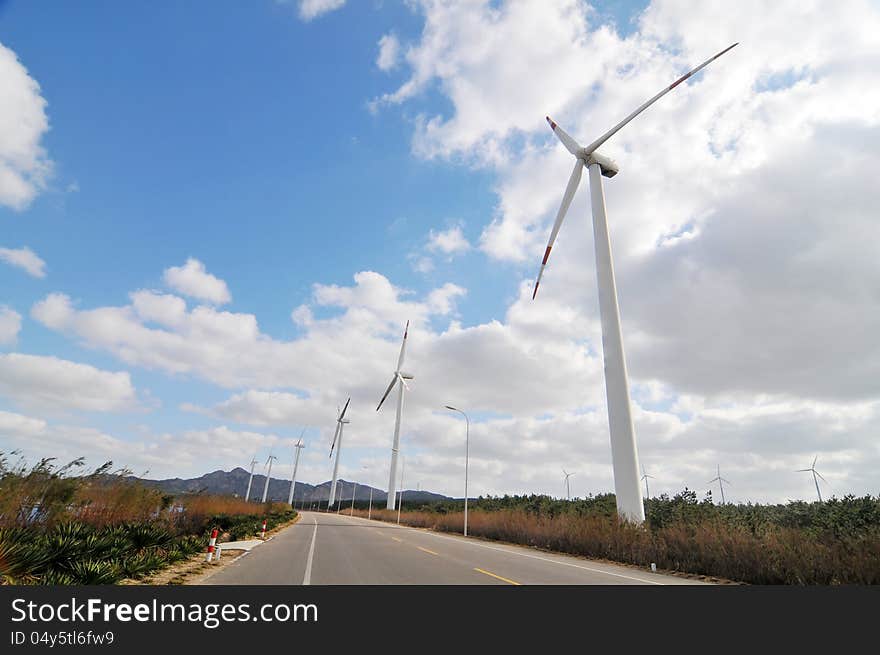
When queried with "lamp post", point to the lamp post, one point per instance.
{"points": [[466, 453]]}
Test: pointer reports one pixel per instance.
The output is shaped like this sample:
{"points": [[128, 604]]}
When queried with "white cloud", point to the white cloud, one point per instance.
{"points": [[311, 9], [389, 53], [10, 325], [161, 308], [448, 242], [260, 408], [25, 259], [193, 280], [24, 166], [59, 384]]}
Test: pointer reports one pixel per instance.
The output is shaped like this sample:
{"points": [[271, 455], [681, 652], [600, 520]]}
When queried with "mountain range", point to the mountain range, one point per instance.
{"points": [[234, 483]]}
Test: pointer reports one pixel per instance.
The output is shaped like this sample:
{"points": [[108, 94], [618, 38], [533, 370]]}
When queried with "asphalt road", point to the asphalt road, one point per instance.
{"points": [[335, 549]]}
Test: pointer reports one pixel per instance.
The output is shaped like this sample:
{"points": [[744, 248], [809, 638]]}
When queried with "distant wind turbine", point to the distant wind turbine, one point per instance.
{"points": [[815, 473], [341, 421], [646, 477], [399, 378], [624, 452], [567, 488], [268, 476], [298, 446], [720, 482], [247, 494]]}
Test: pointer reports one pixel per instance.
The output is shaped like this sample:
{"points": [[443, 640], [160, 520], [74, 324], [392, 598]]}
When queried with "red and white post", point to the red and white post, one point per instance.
{"points": [[263, 531], [211, 545]]}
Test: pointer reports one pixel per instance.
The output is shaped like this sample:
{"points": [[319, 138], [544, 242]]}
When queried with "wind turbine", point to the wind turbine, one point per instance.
{"points": [[720, 482], [624, 452], [567, 489], [298, 446], [815, 473], [399, 378], [341, 421], [268, 476], [247, 494], [646, 477]]}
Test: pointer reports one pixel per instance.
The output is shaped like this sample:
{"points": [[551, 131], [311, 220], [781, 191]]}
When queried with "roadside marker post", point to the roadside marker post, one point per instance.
{"points": [[212, 546], [263, 531]]}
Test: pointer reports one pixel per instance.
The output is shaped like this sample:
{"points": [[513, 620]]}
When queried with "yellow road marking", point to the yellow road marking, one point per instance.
{"points": [[396, 539], [428, 551], [498, 577]]}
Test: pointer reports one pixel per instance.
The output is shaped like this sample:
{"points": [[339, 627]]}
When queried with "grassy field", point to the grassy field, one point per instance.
{"points": [[59, 526], [833, 542]]}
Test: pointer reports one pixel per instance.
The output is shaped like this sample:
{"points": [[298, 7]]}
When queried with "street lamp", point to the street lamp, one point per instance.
{"points": [[466, 452]]}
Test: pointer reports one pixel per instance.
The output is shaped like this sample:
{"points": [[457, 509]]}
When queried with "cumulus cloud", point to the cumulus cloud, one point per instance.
{"points": [[24, 165], [448, 242], [389, 53], [54, 383], [195, 451], [312, 9], [25, 259], [10, 325], [193, 280]]}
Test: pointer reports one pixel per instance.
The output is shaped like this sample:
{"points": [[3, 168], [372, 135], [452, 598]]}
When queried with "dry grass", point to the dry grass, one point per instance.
{"points": [[780, 555]]}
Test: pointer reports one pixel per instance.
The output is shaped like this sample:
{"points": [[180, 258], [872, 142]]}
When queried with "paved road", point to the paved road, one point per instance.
{"points": [[331, 549]]}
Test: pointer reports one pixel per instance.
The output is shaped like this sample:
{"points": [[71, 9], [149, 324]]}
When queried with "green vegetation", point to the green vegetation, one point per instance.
{"points": [[833, 542], [102, 527]]}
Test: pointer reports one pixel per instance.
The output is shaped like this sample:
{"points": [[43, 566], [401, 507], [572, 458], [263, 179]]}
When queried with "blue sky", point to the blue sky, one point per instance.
{"points": [[280, 153]]}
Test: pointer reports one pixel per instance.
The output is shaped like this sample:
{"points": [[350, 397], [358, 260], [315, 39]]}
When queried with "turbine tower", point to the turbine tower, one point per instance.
{"points": [[720, 482], [399, 378], [815, 473], [298, 446], [567, 488], [624, 451], [268, 476], [646, 477], [337, 439], [247, 494]]}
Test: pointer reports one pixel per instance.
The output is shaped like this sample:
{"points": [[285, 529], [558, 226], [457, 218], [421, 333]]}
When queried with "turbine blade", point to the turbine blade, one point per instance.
{"points": [[803, 470], [333, 443], [602, 139], [821, 478], [570, 144], [403, 381], [814, 461], [567, 197], [403, 347], [388, 390], [342, 415]]}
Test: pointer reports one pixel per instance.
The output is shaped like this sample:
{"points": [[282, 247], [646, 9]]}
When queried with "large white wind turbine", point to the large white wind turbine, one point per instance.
{"points": [[567, 488], [337, 443], [624, 452], [815, 473], [268, 476], [247, 494], [720, 482], [646, 477], [399, 378], [298, 446]]}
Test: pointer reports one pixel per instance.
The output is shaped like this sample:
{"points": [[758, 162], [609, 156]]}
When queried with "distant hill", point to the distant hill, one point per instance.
{"points": [[234, 483]]}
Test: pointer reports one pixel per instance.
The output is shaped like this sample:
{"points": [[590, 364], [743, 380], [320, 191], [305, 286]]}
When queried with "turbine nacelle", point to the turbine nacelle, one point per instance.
{"points": [[608, 166]]}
